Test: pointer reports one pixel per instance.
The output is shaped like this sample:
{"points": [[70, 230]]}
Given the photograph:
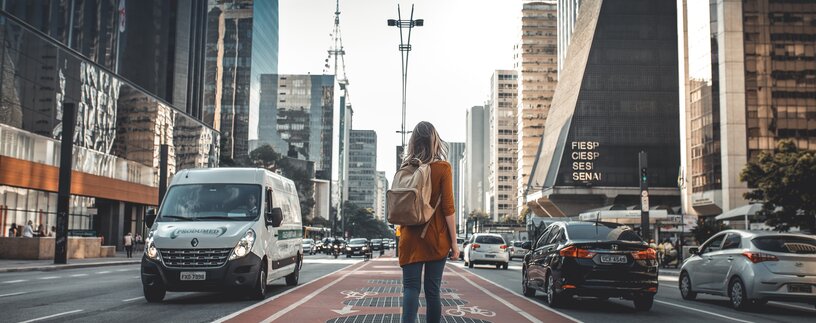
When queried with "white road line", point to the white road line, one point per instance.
{"points": [[79, 275], [14, 281], [104, 272], [123, 269], [49, 277], [309, 297], [13, 294], [132, 299], [52, 316], [521, 296], [703, 311], [792, 306], [228, 317]]}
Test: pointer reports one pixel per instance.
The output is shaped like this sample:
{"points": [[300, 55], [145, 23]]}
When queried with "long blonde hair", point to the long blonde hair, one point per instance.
{"points": [[425, 145]]}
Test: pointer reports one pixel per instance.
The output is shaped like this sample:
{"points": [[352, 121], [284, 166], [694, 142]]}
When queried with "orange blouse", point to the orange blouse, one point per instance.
{"points": [[437, 243]]}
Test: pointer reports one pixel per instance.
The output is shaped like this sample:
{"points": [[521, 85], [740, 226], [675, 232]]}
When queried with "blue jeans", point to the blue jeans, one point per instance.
{"points": [[412, 281]]}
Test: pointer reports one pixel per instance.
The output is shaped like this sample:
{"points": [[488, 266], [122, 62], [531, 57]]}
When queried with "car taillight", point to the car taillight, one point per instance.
{"points": [[474, 246], [757, 257], [648, 254], [574, 252], [503, 246]]}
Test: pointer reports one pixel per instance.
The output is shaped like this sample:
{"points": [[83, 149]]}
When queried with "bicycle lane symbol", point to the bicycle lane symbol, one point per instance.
{"points": [[462, 310], [357, 295]]}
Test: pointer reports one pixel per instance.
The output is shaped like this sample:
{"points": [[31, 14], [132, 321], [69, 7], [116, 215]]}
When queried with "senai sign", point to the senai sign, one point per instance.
{"points": [[584, 155]]}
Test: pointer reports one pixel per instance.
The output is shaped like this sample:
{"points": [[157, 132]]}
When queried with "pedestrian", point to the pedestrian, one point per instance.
{"points": [[416, 252], [138, 240], [28, 231], [53, 231], [129, 245], [669, 253], [40, 230], [652, 244], [12, 231]]}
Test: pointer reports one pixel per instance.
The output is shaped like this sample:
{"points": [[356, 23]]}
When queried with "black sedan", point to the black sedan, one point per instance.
{"points": [[590, 259], [376, 244]]}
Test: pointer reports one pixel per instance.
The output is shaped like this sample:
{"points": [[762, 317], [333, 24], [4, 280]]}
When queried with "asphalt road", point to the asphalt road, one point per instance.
{"points": [[114, 294], [668, 306]]}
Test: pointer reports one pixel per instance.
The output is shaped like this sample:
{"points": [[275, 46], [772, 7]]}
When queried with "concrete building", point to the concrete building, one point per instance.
{"points": [[748, 79], [322, 198], [537, 66], [503, 143], [476, 156], [567, 15], [456, 152], [297, 112], [612, 102], [241, 44], [381, 208], [362, 178]]}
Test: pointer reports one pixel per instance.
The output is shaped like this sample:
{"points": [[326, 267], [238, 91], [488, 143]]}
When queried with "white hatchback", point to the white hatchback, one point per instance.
{"points": [[487, 248]]}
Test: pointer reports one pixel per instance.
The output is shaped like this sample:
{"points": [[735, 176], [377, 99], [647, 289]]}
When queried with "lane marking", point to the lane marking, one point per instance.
{"points": [[522, 297], [14, 281], [131, 299], [13, 294], [52, 316], [771, 303], [702, 311], [120, 270], [331, 261], [253, 306], [104, 272], [309, 297], [79, 275], [49, 277], [508, 304]]}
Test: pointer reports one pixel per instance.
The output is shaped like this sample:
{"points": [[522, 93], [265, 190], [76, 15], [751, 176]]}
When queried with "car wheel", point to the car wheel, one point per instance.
{"points": [[258, 292], [643, 303], [685, 287], [154, 294], [293, 278], [737, 294], [554, 299], [498, 266], [505, 266], [470, 264], [525, 288]]}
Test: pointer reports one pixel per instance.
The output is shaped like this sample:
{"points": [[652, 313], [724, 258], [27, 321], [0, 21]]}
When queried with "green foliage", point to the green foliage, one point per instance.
{"points": [[265, 157], [360, 223], [785, 182], [706, 228]]}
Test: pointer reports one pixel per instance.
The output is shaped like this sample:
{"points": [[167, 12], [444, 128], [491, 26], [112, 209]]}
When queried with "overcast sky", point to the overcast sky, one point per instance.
{"points": [[453, 57]]}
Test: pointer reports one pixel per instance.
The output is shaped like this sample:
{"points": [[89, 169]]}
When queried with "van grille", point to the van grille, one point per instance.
{"points": [[195, 257]]}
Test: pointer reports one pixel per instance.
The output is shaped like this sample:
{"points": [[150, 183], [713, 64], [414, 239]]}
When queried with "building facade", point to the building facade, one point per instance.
{"points": [[503, 143], [749, 80], [537, 66], [476, 156], [118, 133], [567, 15], [241, 45], [362, 178], [381, 208], [297, 112], [612, 102], [456, 152]]}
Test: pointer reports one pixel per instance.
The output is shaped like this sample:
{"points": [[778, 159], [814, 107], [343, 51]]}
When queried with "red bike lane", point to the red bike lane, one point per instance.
{"points": [[372, 292]]}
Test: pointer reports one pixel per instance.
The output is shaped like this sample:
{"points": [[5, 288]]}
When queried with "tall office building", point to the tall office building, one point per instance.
{"points": [[381, 207], [567, 15], [536, 63], [476, 156], [503, 143], [297, 112], [749, 80], [241, 45], [456, 152], [362, 169], [612, 102]]}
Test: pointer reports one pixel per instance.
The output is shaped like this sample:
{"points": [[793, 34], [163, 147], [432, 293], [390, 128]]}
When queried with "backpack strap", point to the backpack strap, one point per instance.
{"points": [[425, 227]]}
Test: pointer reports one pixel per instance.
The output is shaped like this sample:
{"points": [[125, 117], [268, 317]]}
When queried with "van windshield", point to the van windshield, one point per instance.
{"points": [[211, 202]]}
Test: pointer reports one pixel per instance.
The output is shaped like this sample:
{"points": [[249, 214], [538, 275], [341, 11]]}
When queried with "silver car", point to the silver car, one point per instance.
{"points": [[752, 268], [516, 251]]}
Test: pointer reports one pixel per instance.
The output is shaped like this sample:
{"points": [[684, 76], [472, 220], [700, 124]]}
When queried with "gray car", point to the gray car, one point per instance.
{"points": [[751, 268]]}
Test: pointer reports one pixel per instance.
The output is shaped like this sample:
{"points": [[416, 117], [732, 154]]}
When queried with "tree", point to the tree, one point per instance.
{"points": [[360, 223], [265, 157], [785, 182]]}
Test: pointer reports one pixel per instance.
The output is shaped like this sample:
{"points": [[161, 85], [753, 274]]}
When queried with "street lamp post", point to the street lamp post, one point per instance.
{"points": [[405, 50]]}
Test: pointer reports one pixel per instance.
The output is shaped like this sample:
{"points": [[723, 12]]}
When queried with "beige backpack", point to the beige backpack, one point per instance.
{"points": [[410, 195]]}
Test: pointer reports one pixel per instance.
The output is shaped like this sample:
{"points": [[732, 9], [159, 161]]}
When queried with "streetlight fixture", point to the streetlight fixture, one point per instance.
{"points": [[405, 49]]}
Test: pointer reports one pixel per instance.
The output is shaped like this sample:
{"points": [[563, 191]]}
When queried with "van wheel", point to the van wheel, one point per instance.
{"points": [[259, 290], [154, 294], [292, 279], [505, 266]]}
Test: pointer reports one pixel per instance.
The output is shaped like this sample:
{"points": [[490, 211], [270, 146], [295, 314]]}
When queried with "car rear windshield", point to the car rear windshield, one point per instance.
{"points": [[786, 244], [489, 240], [601, 232]]}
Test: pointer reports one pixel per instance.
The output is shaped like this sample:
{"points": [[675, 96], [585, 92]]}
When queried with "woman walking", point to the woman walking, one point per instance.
{"points": [[416, 252]]}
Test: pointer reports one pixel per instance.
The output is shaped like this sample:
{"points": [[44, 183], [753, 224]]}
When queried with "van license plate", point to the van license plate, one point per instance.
{"points": [[800, 288], [193, 275], [613, 259]]}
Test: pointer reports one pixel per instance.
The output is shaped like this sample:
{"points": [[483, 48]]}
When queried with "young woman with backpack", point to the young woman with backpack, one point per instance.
{"points": [[427, 245]]}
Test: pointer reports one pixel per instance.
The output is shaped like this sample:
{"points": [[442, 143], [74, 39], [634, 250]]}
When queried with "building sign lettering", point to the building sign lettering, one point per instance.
{"points": [[584, 155]]}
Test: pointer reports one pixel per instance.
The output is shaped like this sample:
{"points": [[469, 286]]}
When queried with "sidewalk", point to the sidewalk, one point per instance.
{"points": [[14, 265], [372, 292]]}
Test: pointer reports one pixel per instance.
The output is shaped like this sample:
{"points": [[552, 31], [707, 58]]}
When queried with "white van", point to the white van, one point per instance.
{"points": [[223, 229]]}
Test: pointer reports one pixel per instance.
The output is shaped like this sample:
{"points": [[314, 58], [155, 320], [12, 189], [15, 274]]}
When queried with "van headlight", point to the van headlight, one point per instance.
{"points": [[244, 246], [150, 248]]}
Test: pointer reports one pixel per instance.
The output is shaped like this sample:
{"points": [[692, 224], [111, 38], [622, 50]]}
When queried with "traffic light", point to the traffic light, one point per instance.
{"points": [[643, 176]]}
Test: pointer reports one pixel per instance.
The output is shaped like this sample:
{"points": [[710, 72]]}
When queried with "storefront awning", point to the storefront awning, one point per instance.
{"points": [[740, 213]]}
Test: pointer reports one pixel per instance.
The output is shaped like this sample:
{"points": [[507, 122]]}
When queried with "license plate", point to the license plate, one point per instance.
{"points": [[490, 256], [800, 288], [613, 259], [356, 252], [193, 275]]}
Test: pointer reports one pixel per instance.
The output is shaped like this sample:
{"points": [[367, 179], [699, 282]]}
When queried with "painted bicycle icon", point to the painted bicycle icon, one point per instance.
{"points": [[461, 310], [357, 295]]}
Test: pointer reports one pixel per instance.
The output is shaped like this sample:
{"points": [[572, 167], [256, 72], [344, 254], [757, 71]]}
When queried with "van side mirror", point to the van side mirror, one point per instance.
{"points": [[275, 217], [526, 245], [694, 251], [150, 217]]}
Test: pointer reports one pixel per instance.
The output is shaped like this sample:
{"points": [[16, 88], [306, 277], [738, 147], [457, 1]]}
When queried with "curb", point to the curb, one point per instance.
{"points": [[69, 266]]}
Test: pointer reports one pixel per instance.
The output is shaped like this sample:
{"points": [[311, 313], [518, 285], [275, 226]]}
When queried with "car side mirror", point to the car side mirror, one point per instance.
{"points": [[275, 217], [527, 245], [150, 217], [694, 251]]}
